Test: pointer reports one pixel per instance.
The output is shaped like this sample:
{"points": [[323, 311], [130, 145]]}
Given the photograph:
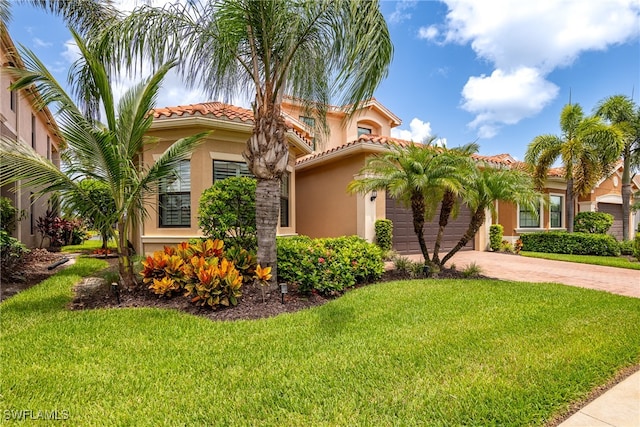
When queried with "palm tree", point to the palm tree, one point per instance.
{"points": [[312, 50], [588, 148], [484, 188], [621, 111], [104, 152], [417, 175]]}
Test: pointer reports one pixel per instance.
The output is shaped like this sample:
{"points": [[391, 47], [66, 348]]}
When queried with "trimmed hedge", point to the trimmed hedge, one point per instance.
{"points": [[496, 231], [561, 242], [384, 234], [593, 222], [328, 266]]}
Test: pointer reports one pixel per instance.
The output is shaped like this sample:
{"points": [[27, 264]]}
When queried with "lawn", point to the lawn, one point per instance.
{"points": [[424, 352], [608, 261]]}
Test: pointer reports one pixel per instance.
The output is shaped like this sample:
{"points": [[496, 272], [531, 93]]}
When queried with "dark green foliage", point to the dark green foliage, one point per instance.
{"points": [[100, 213], [11, 253], [496, 232], [560, 242], [593, 222], [228, 212], [384, 234], [8, 215], [636, 246], [626, 247], [328, 266]]}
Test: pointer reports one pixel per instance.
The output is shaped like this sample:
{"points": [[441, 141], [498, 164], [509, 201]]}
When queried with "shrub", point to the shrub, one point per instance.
{"points": [[636, 246], [328, 266], [11, 253], [560, 242], [471, 270], [8, 215], [384, 234], [200, 270], [592, 222], [506, 246], [496, 232], [626, 247], [228, 211]]}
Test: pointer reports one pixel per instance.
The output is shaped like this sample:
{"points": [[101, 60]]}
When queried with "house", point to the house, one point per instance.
{"points": [[314, 198], [21, 122]]}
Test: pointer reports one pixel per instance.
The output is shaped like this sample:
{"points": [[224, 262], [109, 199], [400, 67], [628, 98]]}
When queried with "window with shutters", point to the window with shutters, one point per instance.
{"points": [[175, 198]]}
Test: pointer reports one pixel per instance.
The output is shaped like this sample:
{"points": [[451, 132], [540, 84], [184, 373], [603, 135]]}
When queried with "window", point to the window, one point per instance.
{"points": [[175, 198], [33, 131], [555, 211], [363, 131], [48, 147], [309, 121], [284, 200], [13, 98], [224, 169], [32, 215], [529, 219]]}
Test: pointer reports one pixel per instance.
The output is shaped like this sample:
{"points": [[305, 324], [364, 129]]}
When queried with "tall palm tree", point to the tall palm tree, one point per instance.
{"points": [[587, 148], [104, 152], [312, 50], [417, 175], [622, 112], [484, 188]]}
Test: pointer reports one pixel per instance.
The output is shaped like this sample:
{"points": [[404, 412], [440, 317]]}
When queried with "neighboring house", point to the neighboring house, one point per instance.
{"points": [[173, 212], [314, 198], [19, 121]]}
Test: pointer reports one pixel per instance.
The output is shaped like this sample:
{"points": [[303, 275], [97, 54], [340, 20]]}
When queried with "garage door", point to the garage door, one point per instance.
{"points": [[405, 240], [616, 211]]}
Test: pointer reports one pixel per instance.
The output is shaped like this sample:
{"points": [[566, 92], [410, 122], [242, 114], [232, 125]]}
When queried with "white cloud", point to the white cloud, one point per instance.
{"points": [[526, 41], [401, 14], [41, 43], [419, 131], [71, 51], [428, 33]]}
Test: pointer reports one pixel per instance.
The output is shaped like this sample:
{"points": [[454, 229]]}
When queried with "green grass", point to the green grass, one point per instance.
{"points": [[88, 246], [423, 352], [608, 261]]}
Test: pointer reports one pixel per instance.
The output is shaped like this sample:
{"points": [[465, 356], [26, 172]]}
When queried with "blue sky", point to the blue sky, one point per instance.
{"points": [[497, 72]]}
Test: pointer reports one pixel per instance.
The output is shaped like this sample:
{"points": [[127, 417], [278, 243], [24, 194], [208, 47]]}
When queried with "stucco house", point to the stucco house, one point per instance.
{"points": [[314, 197], [21, 122]]}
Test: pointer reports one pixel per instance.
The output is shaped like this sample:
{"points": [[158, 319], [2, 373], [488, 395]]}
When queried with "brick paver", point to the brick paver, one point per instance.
{"points": [[620, 281]]}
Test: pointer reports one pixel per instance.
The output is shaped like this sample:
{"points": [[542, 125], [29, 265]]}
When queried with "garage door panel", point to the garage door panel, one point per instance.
{"points": [[616, 211], [405, 240]]}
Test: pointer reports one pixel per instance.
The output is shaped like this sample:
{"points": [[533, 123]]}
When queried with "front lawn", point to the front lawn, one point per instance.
{"points": [[608, 261], [423, 352]]}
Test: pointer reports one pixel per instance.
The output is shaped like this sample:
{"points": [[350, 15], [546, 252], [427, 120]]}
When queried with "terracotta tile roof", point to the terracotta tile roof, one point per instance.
{"points": [[219, 110], [215, 109], [383, 141]]}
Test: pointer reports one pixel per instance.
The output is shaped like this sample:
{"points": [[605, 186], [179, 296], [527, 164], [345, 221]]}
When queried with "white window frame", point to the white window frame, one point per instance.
{"points": [[563, 214], [520, 229]]}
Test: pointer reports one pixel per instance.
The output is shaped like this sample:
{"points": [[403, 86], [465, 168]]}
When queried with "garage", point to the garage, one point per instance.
{"points": [[405, 240], [616, 211]]}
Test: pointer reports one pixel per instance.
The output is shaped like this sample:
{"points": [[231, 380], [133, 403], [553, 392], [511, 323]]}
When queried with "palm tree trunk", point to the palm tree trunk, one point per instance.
{"points": [[125, 268], [418, 211], [626, 194], [477, 219], [569, 204], [267, 156], [448, 201]]}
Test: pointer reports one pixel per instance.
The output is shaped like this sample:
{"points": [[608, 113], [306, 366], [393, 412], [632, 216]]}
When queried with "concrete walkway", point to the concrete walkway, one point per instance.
{"points": [[619, 406]]}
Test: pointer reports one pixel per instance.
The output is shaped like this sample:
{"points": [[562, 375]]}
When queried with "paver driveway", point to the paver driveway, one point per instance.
{"points": [[620, 281]]}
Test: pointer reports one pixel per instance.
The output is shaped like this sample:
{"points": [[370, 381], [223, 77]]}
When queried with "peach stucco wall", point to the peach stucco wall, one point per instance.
{"points": [[324, 209]]}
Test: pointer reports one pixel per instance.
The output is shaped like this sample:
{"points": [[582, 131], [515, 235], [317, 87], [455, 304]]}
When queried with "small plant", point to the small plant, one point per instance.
{"points": [[517, 246], [471, 270], [592, 222], [506, 246], [626, 247], [8, 215], [496, 232], [402, 264], [262, 276], [384, 234], [11, 253]]}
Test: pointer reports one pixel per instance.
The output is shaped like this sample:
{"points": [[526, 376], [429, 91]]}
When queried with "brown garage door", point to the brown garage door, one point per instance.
{"points": [[405, 240], [616, 211]]}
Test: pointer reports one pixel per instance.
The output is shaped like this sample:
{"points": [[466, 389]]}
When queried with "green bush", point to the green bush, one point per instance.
{"points": [[328, 266], [384, 234], [626, 247], [8, 215], [636, 246], [11, 253], [496, 232], [560, 242], [228, 212], [506, 246], [592, 222]]}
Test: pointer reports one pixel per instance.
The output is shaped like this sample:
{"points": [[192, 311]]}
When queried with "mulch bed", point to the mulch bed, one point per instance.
{"points": [[32, 270]]}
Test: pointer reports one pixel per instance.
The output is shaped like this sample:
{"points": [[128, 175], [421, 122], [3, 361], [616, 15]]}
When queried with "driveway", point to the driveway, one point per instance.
{"points": [[620, 281]]}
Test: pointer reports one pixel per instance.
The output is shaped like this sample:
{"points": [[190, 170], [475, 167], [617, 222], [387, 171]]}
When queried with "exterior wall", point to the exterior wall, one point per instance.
{"points": [[16, 124], [220, 145], [324, 209]]}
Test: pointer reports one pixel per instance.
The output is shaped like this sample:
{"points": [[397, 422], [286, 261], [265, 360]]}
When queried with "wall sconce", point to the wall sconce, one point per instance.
{"points": [[283, 290], [374, 195]]}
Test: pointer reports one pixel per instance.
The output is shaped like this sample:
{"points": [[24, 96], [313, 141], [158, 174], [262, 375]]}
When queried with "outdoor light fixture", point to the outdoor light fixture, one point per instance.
{"points": [[374, 194], [116, 292], [283, 290]]}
